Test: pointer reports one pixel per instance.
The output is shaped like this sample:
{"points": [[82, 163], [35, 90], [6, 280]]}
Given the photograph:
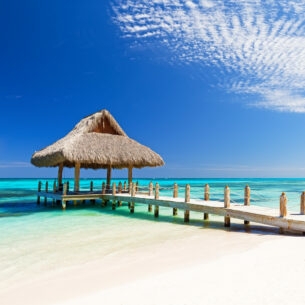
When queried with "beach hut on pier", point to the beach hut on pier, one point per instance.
{"points": [[96, 142]]}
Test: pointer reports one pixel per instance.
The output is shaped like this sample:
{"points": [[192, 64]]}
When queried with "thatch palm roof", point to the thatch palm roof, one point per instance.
{"points": [[97, 141]]}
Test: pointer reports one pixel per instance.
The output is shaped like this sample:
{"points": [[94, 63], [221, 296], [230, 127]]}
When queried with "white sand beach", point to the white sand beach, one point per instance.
{"points": [[216, 266]]}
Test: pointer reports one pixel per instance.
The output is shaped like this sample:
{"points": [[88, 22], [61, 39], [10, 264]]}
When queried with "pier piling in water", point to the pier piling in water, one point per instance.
{"points": [[47, 189], [39, 190]]}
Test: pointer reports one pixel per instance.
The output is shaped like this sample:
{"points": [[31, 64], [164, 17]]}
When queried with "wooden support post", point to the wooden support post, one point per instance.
{"points": [[133, 193], [76, 176], [247, 201], [302, 205], [47, 189], [283, 205], [175, 195], [206, 198], [130, 187], [59, 176], [129, 175], [187, 199], [39, 190], [227, 205], [108, 177], [156, 198], [150, 193], [64, 192]]}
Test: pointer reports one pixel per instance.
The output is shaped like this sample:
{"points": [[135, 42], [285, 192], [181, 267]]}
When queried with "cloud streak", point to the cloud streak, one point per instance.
{"points": [[14, 164], [256, 46]]}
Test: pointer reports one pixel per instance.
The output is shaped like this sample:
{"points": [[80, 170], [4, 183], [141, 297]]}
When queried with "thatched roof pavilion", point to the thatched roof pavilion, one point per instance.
{"points": [[97, 141]]}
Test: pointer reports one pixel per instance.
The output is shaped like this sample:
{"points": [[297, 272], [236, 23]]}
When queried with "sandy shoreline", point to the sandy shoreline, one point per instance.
{"points": [[216, 266]]}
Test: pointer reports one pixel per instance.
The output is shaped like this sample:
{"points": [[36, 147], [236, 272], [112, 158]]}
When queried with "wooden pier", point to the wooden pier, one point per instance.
{"points": [[280, 218]]}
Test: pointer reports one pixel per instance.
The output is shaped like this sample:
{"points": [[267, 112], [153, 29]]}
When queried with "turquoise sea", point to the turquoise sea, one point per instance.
{"points": [[38, 238]]}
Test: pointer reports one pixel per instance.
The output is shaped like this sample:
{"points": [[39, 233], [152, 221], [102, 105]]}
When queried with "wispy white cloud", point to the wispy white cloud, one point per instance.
{"points": [[14, 164], [257, 46]]}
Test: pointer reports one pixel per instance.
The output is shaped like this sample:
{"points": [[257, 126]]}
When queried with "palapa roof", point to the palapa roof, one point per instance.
{"points": [[97, 141]]}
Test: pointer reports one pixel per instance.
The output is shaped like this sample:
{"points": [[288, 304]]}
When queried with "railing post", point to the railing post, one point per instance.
{"points": [[283, 208], [206, 198], [187, 200], [283, 205], [137, 186], [247, 201], [151, 189], [39, 190], [125, 186], [150, 193], [65, 189], [64, 192], [227, 205], [175, 195], [91, 190], [113, 188], [156, 198], [113, 193], [302, 207]]}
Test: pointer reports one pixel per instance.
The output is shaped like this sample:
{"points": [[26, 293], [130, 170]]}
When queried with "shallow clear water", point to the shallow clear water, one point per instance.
{"points": [[38, 238]]}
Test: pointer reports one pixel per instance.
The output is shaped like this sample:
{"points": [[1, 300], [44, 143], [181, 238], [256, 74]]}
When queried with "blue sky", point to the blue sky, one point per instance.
{"points": [[215, 87]]}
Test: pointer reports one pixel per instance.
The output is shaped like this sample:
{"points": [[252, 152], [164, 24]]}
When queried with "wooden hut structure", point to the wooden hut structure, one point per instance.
{"points": [[97, 141]]}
